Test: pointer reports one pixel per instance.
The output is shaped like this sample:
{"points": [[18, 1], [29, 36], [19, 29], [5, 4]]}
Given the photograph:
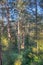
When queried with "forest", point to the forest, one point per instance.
{"points": [[21, 32]]}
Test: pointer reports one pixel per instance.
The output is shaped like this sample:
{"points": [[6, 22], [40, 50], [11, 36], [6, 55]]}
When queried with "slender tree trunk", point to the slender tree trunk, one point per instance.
{"points": [[23, 41], [8, 25], [1, 33], [36, 25], [19, 9], [0, 48], [18, 38]]}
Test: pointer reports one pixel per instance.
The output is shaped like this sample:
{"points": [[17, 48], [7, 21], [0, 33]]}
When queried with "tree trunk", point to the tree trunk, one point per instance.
{"points": [[36, 26], [0, 48], [8, 25], [18, 38]]}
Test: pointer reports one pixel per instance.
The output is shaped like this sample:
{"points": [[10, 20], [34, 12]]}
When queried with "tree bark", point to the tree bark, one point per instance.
{"points": [[0, 48], [8, 25], [36, 26]]}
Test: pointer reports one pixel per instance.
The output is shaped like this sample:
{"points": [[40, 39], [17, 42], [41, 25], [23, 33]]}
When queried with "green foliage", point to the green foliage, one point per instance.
{"points": [[38, 60], [9, 58], [27, 41], [27, 57]]}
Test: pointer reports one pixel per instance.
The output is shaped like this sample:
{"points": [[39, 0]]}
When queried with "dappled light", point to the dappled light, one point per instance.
{"points": [[4, 41], [17, 62]]}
